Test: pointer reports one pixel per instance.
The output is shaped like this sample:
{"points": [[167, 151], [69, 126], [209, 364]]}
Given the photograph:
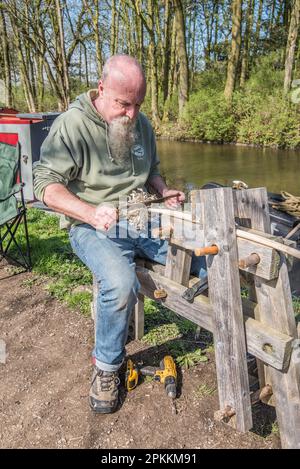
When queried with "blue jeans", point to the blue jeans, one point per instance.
{"points": [[111, 260]]}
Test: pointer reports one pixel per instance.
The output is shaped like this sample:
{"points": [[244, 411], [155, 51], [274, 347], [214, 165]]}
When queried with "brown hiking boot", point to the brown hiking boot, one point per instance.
{"points": [[104, 391]]}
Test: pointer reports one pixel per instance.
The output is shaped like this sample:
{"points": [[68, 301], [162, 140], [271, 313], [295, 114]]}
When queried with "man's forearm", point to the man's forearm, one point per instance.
{"points": [[158, 184], [60, 199]]}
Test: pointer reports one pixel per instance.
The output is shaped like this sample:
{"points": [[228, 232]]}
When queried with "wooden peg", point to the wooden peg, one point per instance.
{"points": [[224, 415], [207, 250], [266, 393], [160, 293], [252, 259]]}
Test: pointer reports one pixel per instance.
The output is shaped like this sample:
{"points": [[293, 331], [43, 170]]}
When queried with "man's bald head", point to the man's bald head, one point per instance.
{"points": [[125, 70], [122, 88]]}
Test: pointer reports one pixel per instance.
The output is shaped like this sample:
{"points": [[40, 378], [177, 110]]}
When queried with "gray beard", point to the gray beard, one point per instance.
{"points": [[121, 137]]}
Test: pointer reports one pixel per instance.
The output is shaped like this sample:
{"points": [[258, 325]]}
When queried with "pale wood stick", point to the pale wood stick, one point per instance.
{"points": [[293, 231], [172, 213]]}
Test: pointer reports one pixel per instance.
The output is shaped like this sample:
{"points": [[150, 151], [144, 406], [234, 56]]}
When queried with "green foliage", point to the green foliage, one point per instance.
{"points": [[80, 300], [186, 356], [267, 120], [275, 429], [212, 79], [259, 113], [296, 305], [203, 390], [266, 75], [209, 118], [162, 325]]}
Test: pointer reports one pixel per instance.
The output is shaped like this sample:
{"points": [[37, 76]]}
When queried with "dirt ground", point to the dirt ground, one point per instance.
{"points": [[45, 381]]}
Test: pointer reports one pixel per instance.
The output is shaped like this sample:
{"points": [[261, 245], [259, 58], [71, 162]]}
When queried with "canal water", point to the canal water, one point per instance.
{"points": [[185, 163]]}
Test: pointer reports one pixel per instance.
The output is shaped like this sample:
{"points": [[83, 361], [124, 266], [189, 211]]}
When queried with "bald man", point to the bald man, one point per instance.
{"points": [[97, 152]]}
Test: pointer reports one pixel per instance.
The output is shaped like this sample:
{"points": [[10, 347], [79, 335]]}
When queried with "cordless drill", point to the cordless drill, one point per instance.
{"points": [[165, 374]]}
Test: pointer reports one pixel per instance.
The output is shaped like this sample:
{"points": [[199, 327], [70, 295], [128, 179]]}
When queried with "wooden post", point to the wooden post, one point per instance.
{"points": [[225, 297], [138, 310], [251, 211], [275, 306], [178, 264], [139, 318]]}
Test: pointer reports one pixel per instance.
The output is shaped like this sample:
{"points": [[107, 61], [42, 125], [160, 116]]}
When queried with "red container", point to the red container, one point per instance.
{"points": [[30, 130]]}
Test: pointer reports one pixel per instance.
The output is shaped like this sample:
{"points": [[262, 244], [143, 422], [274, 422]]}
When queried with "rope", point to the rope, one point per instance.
{"points": [[290, 204]]}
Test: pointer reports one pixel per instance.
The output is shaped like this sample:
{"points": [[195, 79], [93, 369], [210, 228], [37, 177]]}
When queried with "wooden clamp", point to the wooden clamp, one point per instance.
{"points": [[249, 261], [160, 293], [263, 395], [224, 415], [207, 251]]}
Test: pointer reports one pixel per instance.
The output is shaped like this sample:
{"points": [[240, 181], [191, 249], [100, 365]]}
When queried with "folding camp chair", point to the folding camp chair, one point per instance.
{"points": [[12, 209]]}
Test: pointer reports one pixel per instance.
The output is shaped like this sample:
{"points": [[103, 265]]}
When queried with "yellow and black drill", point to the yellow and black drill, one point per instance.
{"points": [[165, 374]]}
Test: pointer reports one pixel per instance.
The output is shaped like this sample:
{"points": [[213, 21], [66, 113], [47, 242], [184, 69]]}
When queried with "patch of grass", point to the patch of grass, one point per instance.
{"points": [[14, 270], [170, 326], [52, 258], [30, 282], [296, 305], [186, 357], [162, 326], [80, 300], [275, 429], [210, 349], [203, 390]]}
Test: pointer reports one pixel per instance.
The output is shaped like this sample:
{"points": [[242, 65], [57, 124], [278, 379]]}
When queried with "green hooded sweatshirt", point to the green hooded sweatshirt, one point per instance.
{"points": [[76, 154]]}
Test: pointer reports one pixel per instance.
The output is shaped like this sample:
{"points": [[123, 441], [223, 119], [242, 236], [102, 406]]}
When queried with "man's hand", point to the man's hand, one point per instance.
{"points": [[106, 215], [173, 202]]}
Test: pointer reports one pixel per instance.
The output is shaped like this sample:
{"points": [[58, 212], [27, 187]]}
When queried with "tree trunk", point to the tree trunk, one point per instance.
{"points": [[291, 44], [170, 73], [86, 66], [97, 41], [113, 38], [24, 70], [94, 13], [245, 54], [62, 55], [128, 30], [148, 22], [153, 68], [258, 26], [6, 61], [166, 60], [139, 35], [183, 92], [235, 49]]}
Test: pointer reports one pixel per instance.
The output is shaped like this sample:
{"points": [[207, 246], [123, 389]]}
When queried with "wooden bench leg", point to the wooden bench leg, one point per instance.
{"points": [[139, 318]]}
